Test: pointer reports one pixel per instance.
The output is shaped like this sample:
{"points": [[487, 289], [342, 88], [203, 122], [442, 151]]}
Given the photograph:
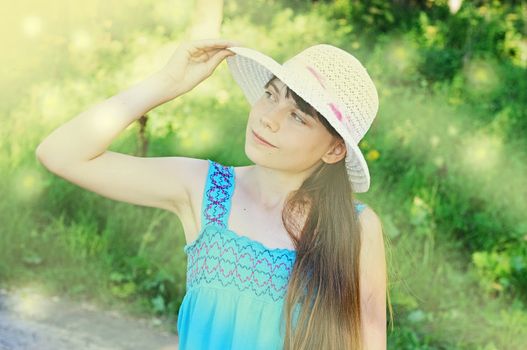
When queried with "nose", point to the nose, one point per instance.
{"points": [[273, 117]]}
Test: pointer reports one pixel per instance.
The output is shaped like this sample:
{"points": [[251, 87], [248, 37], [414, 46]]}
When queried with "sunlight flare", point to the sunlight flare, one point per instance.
{"points": [[32, 26], [81, 41], [481, 76], [31, 304], [481, 152], [28, 184]]}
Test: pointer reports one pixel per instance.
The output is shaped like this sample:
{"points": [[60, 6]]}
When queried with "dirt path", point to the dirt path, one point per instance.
{"points": [[29, 321]]}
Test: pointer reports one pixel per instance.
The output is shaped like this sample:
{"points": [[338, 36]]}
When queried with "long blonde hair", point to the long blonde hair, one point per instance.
{"points": [[326, 269]]}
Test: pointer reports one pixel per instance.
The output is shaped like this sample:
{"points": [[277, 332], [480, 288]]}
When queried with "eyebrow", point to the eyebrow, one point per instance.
{"points": [[288, 94]]}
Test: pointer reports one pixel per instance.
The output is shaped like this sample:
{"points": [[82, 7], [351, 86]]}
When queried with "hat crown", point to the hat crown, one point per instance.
{"points": [[345, 81]]}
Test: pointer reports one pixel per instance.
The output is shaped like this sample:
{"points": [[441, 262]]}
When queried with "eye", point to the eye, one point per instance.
{"points": [[294, 114], [301, 120]]}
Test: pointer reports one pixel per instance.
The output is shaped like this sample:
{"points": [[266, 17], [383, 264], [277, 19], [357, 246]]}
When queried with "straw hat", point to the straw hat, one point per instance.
{"points": [[331, 80]]}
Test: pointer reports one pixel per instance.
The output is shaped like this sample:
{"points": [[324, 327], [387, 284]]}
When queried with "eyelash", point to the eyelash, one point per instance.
{"points": [[301, 120]]}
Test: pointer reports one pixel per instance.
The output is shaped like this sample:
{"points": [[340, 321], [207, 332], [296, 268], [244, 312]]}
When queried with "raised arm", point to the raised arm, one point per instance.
{"points": [[77, 150]]}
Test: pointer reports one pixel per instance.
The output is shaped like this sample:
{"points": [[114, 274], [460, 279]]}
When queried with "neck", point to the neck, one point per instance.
{"points": [[270, 187]]}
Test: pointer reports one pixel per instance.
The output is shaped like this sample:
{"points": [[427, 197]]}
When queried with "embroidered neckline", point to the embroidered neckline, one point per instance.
{"points": [[237, 237]]}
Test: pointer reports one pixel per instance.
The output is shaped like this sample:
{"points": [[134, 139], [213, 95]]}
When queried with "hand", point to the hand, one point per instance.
{"points": [[194, 61]]}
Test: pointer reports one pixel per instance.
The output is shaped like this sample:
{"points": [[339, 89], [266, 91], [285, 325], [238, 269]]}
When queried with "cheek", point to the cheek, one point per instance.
{"points": [[256, 110], [317, 143], [303, 142]]}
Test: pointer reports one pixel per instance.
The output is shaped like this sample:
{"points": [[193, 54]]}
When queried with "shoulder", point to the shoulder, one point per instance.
{"points": [[372, 235], [193, 168], [371, 224], [190, 172], [372, 252], [369, 219]]}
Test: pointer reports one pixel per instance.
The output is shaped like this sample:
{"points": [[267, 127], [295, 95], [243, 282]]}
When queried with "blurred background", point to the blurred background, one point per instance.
{"points": [[447, 151]]}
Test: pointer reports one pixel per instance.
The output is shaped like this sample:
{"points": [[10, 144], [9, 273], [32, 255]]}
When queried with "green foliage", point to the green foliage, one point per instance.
{"points": [[141, 278], [439, 64], [482, 46], [408, 339], [502, 270]]}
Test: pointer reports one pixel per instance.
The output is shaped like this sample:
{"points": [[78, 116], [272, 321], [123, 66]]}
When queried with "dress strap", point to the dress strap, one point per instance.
{"points": [[359, 207], [216, 203]]}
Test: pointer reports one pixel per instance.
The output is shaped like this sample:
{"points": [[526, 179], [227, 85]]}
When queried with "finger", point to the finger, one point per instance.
{"points": [[218, 57], [213, 49], [205, 52], [204, 45]]}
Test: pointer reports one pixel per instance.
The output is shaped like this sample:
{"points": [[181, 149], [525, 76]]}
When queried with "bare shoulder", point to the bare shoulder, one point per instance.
{"points": [[187, 166], [373, 260], [372, 234], [191, 172], [369, 219]]}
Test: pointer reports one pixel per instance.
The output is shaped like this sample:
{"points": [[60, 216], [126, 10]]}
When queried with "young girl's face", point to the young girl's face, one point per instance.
{"points": [[298, 140]]}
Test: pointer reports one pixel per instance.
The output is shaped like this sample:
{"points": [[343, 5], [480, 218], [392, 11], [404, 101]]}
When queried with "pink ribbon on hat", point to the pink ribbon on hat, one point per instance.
{"points": [[336, 111], [316, 74], [333, 106]]}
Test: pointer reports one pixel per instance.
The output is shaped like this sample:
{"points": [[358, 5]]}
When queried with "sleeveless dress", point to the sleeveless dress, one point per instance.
{"points": [[235, 286]]}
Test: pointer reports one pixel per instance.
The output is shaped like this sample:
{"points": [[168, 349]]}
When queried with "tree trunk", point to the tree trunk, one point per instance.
{"points": [[206, 19]]}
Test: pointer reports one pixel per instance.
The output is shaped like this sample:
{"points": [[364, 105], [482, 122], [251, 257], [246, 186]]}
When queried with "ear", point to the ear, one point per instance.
{"points": [[336, 152]]}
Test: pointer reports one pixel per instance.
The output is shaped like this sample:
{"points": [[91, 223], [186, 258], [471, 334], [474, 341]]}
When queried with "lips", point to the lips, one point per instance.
{"points": [[262, 139]]}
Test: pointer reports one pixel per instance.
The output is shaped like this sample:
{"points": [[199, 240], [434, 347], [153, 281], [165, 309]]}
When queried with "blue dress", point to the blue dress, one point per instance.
{"points": [[235, 286]]}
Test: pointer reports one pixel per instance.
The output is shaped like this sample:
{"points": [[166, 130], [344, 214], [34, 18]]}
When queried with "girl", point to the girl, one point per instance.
{"points": [[280, 254]]}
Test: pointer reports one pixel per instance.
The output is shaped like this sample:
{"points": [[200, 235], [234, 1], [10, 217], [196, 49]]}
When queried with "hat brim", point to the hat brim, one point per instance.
{"points": [[252, 69]]}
